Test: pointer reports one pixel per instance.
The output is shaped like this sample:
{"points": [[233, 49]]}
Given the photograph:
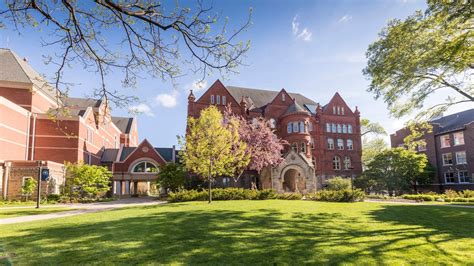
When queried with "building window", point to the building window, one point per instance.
{"points": [[295, 127], [461, 157], [445, 141], [226, 181], [218, 99], [336, 163], [330, 144], [283, 97], [349, 129], [342, 110], [422, 147], [312, 143], [350, 146], [447, 158], [449, 177], [328, 127], [334, 110], [90, 135], [339, 128], [294, 147], [333, 128], [344, 129], [289, 127], [458, 138], [117, 187], [302, 127], [224, 100], [338, 110], [212, 99], [347, 162], [310, 126], [340, 144], [464, 177], [145, 167], [303, 147]]}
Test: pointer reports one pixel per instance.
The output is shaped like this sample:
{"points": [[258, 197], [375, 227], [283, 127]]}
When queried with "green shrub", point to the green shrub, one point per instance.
{"points": [[459, 199], [420, 197], [53, 198], [345, 195], [230, 194], [338, 183], [451, 193], [466, 193]]}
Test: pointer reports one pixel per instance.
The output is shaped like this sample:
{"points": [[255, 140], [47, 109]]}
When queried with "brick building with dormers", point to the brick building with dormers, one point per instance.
{"points": [[324, 140], [31, 139], [449, 148]]}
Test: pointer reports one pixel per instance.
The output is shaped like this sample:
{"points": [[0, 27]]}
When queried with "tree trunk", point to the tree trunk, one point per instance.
{"points": [[209, 181]]}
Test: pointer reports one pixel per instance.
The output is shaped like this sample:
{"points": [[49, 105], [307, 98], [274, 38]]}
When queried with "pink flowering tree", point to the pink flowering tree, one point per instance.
{"points": [[263, 145]]}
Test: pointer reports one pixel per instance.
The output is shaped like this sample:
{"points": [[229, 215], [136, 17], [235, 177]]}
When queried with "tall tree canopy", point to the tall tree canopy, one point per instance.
{"points": [[427, 52], [213, 146], [130, 36]]}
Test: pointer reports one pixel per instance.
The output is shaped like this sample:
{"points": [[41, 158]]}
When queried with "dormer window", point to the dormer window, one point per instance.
{"points": [[338, 110]]}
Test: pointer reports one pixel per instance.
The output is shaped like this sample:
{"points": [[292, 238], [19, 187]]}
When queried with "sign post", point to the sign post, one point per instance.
{"points": [[43, 176]]}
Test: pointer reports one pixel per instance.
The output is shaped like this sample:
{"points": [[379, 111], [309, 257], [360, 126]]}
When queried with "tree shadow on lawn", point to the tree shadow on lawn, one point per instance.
{"points": [[263, 236]]}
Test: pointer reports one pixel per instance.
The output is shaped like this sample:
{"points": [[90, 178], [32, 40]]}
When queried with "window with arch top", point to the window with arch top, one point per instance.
{"points": [[145, 167]]}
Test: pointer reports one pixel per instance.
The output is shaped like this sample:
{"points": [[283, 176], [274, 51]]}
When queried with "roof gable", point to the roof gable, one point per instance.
{"points": [[123, 123], [143, 150], [337, 100]]}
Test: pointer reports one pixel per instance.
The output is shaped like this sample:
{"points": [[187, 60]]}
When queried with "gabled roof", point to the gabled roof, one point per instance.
{"points": [[15, 69], [109, 155], [295, 108], [453, 122], [260, 98], [81, 102], [123, 123]]}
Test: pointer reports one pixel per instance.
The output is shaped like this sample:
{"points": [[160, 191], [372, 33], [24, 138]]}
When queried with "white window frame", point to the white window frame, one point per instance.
{"points": [[350, 144], [347, 162], [294, 147], [338, 142], [212, 99], [460, 137], [339, 128], [336, 163], [342, 110], [296, 127], [442, 141], [349, 129], [344, 129], [283, 97], [444, 161], [465, 157], [146, 163], [333, 128], [328, 127], [218, 99], [464, 176], [446, 179], [334, 110], [302, 127], [330, 144], [303, 147]]}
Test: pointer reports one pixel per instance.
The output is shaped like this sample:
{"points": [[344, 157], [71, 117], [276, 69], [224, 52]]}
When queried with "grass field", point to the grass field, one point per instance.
{"points": [[14, 212], [249, 232]]}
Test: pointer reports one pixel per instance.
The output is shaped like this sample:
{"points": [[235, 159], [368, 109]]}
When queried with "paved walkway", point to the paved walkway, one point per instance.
{"points": [[418, 203], [81, 208]]}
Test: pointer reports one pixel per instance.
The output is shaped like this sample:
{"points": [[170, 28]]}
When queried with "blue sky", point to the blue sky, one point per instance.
{"points": [[312, 47]]}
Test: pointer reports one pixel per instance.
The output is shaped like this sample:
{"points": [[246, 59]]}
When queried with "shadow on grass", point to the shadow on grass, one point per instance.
{"points": [[262, 236]]}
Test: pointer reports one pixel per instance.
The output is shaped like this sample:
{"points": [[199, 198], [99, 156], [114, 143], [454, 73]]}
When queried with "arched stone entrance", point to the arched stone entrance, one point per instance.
{"points": [[294, 180]]}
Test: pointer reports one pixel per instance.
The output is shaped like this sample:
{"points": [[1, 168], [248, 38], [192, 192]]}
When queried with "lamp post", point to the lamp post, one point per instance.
{"points": [[352, 178]]}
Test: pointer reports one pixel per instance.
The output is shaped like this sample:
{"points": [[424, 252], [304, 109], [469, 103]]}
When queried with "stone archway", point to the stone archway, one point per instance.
{"points": [[293, 180]]}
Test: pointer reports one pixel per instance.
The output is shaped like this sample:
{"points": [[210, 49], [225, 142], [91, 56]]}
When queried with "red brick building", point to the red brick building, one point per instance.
{"points": [[324, 140], [29, 133], [449, 148]]}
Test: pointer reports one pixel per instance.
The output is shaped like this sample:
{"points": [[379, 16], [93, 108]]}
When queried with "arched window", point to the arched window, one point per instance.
{"points": [[350, 146], [349, 129], [347, 162], [342, 110], [340, 144], [344, 129], [145, 167], [289, 127], [336, 163], [339, 129], [330, 144], [294, 147], [334, 129], [328, 127], [303, 147]]}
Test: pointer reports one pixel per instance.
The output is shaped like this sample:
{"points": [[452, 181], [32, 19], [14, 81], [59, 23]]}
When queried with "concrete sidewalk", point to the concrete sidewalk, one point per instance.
{"points": [[82, 208]]}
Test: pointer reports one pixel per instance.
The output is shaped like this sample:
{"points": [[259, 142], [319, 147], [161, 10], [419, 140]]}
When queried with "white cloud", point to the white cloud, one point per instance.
{"points": [[167, 100], [198, 85], [141, 108], [304, 34], [345, 18]]}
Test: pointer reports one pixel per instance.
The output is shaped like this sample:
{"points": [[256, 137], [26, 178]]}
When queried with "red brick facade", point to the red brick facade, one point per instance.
{"points": [[298, 120]]}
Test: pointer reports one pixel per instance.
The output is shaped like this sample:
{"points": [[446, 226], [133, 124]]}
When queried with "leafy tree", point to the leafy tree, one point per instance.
{"points": [[28, 187], [153, 37], [427, 52], [263, 145], [86, 180], [370, 149], [171, 177], [213, 147], [398, 170], [368, 127]]}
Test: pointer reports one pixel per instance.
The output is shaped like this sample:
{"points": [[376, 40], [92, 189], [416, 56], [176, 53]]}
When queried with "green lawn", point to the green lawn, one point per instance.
{"points": [[250, 232], [14, 212]]}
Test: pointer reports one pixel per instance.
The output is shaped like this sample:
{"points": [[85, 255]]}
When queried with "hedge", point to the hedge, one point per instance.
{"points": [[344, 195], [230, 194]]}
